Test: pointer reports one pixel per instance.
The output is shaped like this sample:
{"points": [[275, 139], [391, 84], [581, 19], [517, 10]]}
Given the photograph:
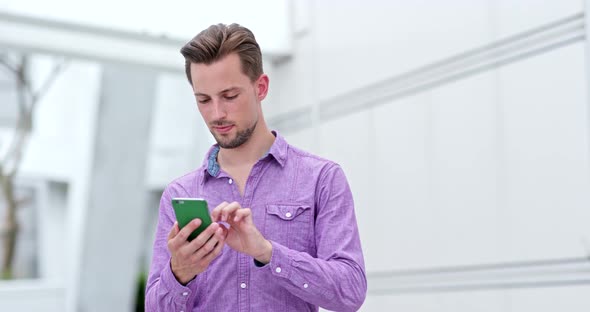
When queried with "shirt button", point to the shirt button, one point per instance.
{"points": [[305, 285], [230, 181], [288, 215], [185, 293], [243, 285], [278, 270]]}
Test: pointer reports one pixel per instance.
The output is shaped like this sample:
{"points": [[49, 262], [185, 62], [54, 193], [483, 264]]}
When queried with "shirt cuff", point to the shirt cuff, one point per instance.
{"points": [[283, 264], [280, 260], [179, 292], [258, 264]]}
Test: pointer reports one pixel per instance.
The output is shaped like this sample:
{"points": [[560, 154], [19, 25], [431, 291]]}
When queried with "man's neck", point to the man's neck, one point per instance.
{"points": [[250, 152]]}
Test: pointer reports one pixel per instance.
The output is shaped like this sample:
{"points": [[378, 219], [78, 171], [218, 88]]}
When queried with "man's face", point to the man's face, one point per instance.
{"points": [[228, 101]]}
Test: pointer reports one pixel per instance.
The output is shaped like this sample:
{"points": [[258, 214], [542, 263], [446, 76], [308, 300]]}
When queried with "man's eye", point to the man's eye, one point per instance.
{"points": [[203, 101], [231, 97]]}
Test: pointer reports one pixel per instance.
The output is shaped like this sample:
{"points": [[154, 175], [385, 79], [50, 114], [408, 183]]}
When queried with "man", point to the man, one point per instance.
{"points": [[284, 236]]}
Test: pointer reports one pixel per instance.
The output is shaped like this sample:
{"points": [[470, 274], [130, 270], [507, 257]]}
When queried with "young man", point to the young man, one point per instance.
{"points": [[292, 242]]}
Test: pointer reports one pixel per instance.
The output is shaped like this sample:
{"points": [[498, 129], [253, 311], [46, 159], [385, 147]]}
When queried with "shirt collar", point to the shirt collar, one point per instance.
{"points": [[278, 151]]}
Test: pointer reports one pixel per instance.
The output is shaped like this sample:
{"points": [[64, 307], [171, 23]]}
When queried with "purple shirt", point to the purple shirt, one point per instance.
{"points": [[303, 205]]}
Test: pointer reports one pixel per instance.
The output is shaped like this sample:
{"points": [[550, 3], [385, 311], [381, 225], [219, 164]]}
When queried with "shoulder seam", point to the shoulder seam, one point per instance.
{"points": [[306, 154], [175, 181]]}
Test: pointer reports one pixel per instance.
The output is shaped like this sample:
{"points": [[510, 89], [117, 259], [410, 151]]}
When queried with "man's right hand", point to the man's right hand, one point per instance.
{"points": [[191, 258]]}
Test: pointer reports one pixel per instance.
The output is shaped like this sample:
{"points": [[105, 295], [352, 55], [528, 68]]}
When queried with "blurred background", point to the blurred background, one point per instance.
{"points": [[462, 125]]}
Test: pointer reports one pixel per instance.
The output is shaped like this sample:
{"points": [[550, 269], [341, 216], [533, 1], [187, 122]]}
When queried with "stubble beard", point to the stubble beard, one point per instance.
{"points": [[240, 138]]}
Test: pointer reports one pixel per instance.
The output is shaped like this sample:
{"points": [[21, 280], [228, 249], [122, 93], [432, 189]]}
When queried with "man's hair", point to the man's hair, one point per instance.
{"points": [[218, 41]]}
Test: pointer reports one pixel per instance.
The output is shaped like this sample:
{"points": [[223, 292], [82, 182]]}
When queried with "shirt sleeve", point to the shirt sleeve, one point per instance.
{"points": [[163, 291], [335, 279]]}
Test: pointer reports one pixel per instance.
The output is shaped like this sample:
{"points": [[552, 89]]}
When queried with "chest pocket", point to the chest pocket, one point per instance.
{"points": [[289, 225]]}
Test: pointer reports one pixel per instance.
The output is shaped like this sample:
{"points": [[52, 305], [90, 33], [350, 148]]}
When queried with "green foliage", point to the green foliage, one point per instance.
{"points": [[140, 295], [6, 275]]}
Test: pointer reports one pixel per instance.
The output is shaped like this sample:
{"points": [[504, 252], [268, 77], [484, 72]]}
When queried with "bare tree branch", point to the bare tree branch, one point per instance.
{"points": [[18, 153], [14, 141], [4, 62], [23, 85], [48, 82], [12, 157], [27, 103], [24, 125]]}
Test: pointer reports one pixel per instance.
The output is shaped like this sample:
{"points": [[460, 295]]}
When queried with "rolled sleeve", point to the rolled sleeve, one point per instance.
{"points": [[179, 292]]}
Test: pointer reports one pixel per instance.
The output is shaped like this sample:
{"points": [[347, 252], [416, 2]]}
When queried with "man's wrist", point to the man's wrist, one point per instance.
{"points": [[265, 256], [182, 281]]}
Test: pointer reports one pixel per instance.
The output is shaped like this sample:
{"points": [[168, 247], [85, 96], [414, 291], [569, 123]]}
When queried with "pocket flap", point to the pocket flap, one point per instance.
{"points": [[286, 212]]}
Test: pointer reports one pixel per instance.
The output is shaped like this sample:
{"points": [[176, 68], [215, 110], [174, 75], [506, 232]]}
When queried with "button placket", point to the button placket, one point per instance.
{"points": [[243, 275]]}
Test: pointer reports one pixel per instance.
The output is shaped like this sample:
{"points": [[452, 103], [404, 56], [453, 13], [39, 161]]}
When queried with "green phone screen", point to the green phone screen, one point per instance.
{"points": [[187, 209]]}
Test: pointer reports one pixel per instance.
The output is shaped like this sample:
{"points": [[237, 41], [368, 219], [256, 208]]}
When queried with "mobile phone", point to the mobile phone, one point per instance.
{"points": [[187, 209]]}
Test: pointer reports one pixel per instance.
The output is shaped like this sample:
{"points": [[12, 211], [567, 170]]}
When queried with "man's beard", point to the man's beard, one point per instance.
{"points": [[241, 138]]}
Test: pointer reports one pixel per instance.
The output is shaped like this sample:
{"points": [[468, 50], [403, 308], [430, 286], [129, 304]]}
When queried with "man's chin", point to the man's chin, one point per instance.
{"points": [[221, 138], [233, 139], [225, 142]]}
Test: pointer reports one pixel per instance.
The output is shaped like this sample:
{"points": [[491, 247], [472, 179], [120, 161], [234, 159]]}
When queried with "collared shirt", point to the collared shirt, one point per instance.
{"points": [[303, 205]]}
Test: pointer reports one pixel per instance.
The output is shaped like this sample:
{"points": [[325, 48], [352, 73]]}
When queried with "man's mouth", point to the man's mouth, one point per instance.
{"points": [[223, 129]]}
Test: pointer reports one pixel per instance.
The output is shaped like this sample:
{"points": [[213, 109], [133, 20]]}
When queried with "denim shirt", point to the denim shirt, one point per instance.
{"points": [[303, 205]]}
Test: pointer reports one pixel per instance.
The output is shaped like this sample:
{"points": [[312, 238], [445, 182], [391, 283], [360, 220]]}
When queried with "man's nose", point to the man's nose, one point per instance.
{"points": [[219, 110]]}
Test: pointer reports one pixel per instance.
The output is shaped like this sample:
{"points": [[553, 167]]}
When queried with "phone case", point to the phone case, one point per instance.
{"points": [[187, 209]]}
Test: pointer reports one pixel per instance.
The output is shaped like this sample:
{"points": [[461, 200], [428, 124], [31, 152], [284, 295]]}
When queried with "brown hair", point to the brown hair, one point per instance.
{"points": [[220, 40]]}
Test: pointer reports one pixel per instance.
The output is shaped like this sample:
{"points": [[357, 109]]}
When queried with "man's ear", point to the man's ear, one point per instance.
{"points": [[262, 87]]}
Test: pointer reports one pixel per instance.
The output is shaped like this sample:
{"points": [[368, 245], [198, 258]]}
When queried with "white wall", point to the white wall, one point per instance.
{"points": [[491, 168]]}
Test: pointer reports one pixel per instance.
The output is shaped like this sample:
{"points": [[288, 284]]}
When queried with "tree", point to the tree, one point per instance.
{"points": [[27, 99]]}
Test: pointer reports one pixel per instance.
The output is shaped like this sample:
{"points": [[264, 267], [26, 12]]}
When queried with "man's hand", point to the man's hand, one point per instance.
{"points": [[243, 236], [191, 258]]}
